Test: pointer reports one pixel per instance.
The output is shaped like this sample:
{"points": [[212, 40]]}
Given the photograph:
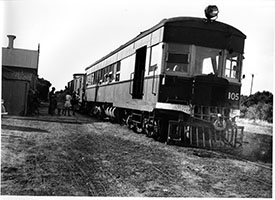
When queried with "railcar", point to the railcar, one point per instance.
{"points": [[79, 85], [177, 81]]}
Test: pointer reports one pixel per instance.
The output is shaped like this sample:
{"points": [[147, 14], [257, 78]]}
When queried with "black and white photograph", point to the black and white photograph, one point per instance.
{"points": [[137, 99]]}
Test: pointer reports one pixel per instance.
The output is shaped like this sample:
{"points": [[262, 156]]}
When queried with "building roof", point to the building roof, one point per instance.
{"points": [[20, 58]]}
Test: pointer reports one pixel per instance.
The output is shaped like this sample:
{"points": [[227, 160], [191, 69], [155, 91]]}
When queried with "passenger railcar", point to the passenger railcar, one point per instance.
{"points": [[180, 79]]}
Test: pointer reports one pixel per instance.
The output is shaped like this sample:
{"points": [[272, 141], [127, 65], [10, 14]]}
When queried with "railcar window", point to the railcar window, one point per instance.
{"points": [[112, 68], [101, 79], [92, 78], [111, 72], [88, 82], [99, 76], [207, 61], [117, 74], [80, 81], [177, 62], [108, 73], [105, 72], [96, 78], [210, 65], [232, 69], [117, 77], [118, 66], [156, 52]]}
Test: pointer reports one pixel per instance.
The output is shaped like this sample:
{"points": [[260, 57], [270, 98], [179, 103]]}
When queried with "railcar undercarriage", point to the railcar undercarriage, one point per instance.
{"points": [[205, 127]]}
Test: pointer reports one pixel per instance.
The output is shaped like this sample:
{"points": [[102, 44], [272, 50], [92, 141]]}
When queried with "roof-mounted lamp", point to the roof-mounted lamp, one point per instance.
{"points": [[211, 12]]}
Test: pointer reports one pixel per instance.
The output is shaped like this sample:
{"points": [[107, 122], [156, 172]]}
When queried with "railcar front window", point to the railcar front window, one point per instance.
{"points": [[177, 62], [208, 60]]}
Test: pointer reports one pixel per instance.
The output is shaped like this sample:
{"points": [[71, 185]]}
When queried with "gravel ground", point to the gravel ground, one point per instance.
{"points": [[78, 156]]}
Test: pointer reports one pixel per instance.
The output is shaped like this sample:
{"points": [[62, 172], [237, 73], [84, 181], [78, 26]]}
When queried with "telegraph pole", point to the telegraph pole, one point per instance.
{"points": [[251, 84]]}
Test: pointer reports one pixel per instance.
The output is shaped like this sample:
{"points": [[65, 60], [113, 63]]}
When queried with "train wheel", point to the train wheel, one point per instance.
{"points": [[150, 127], [96, 112], [144, 125], [137, 128], [129, 122]]}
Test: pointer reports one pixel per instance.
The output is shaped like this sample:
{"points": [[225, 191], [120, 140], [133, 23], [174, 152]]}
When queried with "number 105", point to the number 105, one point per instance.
{"points": [[233, 96]]}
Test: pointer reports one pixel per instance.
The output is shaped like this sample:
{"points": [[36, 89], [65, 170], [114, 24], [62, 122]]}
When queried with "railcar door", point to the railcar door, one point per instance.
{"points": [[139, 73]]}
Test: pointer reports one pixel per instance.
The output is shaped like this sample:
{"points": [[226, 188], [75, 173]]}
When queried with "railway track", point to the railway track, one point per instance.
{"points": [[171, 177]]}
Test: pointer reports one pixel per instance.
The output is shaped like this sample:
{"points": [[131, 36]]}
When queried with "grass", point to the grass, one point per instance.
{"points": [[256, 126]]}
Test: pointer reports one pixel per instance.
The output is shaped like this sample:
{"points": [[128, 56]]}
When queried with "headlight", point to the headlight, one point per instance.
{"points": [[211, 12]]}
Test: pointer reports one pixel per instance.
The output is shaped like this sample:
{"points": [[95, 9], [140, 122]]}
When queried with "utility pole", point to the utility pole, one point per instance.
{"points": [[251, 84]]}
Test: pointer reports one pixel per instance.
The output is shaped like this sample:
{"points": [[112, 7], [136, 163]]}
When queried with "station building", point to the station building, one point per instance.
{"points": [[19, 76]]}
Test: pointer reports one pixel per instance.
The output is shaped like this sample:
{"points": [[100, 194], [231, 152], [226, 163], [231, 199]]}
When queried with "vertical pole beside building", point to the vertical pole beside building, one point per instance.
{"points": [[38, 53]]}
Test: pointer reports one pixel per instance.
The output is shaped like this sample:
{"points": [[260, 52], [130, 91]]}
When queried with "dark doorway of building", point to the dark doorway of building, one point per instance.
{"points": [[14, 93]]}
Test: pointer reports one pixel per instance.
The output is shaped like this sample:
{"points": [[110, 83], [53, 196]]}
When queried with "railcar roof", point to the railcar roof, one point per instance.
{"points": [[200, 23]]}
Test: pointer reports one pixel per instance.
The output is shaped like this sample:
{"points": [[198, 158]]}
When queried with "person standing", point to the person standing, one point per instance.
{"points": [[36, 102], [68, 104], [52, 101], [30, 110], [74, 102], [60, 101]]}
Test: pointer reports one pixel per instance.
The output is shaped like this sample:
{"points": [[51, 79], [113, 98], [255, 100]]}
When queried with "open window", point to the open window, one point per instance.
{"points": [[208, 61]]}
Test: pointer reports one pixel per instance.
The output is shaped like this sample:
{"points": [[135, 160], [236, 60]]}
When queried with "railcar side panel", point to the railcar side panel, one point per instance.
{"points": [[118, 94]]}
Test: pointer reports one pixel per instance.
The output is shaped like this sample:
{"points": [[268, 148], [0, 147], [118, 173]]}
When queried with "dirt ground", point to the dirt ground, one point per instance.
{"points": [[79, 156]]}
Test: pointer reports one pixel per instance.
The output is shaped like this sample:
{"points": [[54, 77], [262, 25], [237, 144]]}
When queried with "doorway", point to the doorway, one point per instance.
{"points": [[139, 73]]}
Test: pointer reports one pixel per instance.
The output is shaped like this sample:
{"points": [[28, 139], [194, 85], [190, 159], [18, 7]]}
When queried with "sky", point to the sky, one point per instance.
{"points": [[73, 34]]}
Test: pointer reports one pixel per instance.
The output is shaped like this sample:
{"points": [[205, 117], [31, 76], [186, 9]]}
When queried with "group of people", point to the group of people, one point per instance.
{"points": [[33, 102], [63, 102]]}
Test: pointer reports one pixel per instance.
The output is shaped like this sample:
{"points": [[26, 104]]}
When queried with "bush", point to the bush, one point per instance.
{"points": [[258, 106], [251, 113], [266, 112]]}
